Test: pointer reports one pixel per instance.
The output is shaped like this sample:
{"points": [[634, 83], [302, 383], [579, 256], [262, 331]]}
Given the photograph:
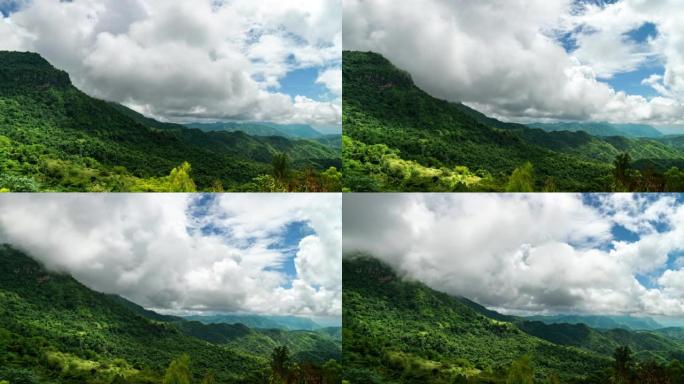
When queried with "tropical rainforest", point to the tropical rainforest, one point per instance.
{"points": [[401, 331], [54, 137], [399, 138], [55, 330]]}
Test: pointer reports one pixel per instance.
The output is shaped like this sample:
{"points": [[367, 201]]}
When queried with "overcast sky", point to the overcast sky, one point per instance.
{"points": [[619, 61], [253, 253], [535, 253], [185, 60]]}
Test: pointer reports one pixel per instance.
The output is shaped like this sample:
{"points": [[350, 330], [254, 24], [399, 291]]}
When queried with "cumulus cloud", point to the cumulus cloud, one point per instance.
{"points": [[181, 252], [505, 58], [529, 253], [187, 60]]}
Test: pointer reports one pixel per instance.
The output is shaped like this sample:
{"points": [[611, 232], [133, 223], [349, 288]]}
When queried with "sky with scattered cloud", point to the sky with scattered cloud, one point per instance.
{"points": [[192, 60], [274, 254], [531, 253], [535, 60]]}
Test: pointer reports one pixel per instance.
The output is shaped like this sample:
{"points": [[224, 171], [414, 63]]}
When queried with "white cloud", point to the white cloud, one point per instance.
{"points": [[186, 60], [524, 253], [152, 249], [504, 57], [331, 78]]}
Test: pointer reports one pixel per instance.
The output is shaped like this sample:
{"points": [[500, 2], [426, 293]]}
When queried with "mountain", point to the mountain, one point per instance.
{"points": [[55, 137], [603, 322], [399, 138], [602, 129], [258, 321], [53, 329], [295, 131], [398, 331], [401, 331]]}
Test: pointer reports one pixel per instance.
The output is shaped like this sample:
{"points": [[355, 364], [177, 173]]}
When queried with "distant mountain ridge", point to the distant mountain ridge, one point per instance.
{"points": [[602, 129], [602, 322], [259, 321], [294, 131]]}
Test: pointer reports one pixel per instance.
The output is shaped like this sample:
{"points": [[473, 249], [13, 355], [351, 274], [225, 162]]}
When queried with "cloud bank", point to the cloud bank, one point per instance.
{"points": [[507, 58], [608, 254], [178, 252], [187, 60]]}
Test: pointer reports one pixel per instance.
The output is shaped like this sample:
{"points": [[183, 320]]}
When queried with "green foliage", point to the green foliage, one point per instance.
{"points": [[397, 331], [399, 138], [522, 179], [404, 332], [521, 371], [55, 330], [178, 371], [55, 138]]}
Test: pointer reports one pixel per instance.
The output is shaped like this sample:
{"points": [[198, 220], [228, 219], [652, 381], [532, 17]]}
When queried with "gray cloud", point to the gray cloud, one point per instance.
{"points": [[151, 249], [187, 60], [527, 253], [503, 57]]}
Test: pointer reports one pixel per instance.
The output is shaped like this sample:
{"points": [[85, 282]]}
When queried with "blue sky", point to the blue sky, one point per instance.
{"points": [[206, 219], [302, 82], [629, 82]]}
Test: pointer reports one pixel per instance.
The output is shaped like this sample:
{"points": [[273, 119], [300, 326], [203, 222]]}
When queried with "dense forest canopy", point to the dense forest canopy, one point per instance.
{"points": [[400, 331], [399, 138], [54, 137], [53, 329]]}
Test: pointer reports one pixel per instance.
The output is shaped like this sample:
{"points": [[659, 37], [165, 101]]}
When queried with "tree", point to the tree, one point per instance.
{"points": [[280, 361], [180, 180], [332, 372], [522, 179], [209, 378], [521, 371], [623, 365], [674, 180], [178, 371], [281, 167], [622, 164]]}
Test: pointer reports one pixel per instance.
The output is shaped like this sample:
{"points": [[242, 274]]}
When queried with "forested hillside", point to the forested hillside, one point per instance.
{"points": [[399, 138], [55, 137], [55, 330], [399, 331]]}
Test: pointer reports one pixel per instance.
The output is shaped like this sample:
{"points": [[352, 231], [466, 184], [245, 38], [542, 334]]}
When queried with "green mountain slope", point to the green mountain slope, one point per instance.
{"points": [[53, 136], [397, 331], [646, 345], [55, 330], [397, 137]]}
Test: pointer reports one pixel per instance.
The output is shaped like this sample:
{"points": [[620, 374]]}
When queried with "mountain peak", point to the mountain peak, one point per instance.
{"points": [[373, 69], [29, 70]]}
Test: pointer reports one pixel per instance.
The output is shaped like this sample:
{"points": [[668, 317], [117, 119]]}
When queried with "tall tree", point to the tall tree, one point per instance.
{"points": [[522, 179], [521, 371], [178, 371], [623, 365], [280, 361], [281, 167], [621, 166]]}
